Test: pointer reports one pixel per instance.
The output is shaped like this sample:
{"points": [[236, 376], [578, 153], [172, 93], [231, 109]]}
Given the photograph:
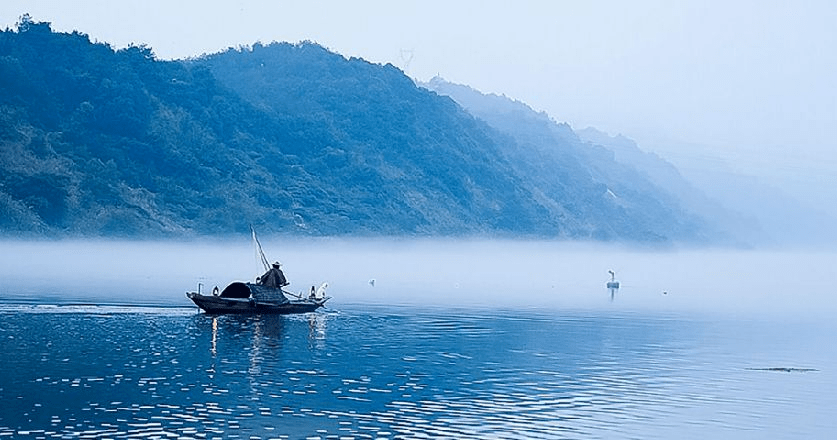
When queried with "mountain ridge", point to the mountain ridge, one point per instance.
{"points": [[558, 145], [290, 137]]}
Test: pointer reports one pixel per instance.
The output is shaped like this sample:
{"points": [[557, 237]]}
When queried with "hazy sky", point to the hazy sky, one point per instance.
{"points": [[755, 81]]}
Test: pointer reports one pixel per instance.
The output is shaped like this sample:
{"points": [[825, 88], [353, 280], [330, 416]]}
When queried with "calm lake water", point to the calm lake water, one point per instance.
{"points": [[558, 361], [389, 372]]}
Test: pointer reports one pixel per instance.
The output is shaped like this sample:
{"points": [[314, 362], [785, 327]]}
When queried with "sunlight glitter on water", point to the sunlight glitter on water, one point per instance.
{"points": [[390, 372]]}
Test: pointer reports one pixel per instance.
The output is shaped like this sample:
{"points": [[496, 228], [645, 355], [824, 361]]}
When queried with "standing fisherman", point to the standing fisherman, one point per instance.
{"points": [[274, 277]]}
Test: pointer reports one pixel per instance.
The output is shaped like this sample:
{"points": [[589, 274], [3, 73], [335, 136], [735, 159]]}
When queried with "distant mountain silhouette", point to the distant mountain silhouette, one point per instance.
{"points": [[294, 139], [730, 226], [647, 190]]}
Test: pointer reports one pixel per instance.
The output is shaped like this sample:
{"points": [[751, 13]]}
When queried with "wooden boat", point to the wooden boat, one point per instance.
{"points": [[264, 296], [251, 298]]}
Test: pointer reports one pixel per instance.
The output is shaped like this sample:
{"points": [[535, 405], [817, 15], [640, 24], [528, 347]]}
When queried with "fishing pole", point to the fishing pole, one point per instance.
{"points": [[259, 249]]}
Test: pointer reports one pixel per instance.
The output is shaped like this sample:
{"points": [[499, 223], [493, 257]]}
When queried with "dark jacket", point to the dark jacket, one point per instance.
{"points": [[273, 278]]}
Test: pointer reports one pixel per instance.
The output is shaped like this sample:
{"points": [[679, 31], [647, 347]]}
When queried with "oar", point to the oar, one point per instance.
{"points": [[291, 294]]}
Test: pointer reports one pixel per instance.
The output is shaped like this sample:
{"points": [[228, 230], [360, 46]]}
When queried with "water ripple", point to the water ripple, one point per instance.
{"points": [[391, 373]]}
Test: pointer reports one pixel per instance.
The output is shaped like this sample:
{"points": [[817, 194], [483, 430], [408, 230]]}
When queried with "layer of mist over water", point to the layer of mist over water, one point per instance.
{"points": [[467, 273], [505, 340]]}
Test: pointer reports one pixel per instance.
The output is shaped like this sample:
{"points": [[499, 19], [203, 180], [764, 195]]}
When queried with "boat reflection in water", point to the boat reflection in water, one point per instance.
{"points": [[250, 353], [317, 330], [214, 349], [267, 334]]}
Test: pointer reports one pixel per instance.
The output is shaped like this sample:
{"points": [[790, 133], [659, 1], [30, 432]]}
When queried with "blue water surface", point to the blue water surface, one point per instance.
{"points": [[373, 371]]}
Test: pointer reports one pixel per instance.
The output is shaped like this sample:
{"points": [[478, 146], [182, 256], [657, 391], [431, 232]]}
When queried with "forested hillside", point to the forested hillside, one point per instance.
{"points": [[289, 137]]}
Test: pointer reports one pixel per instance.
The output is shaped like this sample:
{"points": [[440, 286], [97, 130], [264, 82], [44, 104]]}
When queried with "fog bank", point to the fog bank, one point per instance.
{"points": [[496, 274]]}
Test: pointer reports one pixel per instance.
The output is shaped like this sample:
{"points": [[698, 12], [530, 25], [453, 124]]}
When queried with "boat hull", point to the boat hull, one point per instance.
{"points": [[217, 305]]}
